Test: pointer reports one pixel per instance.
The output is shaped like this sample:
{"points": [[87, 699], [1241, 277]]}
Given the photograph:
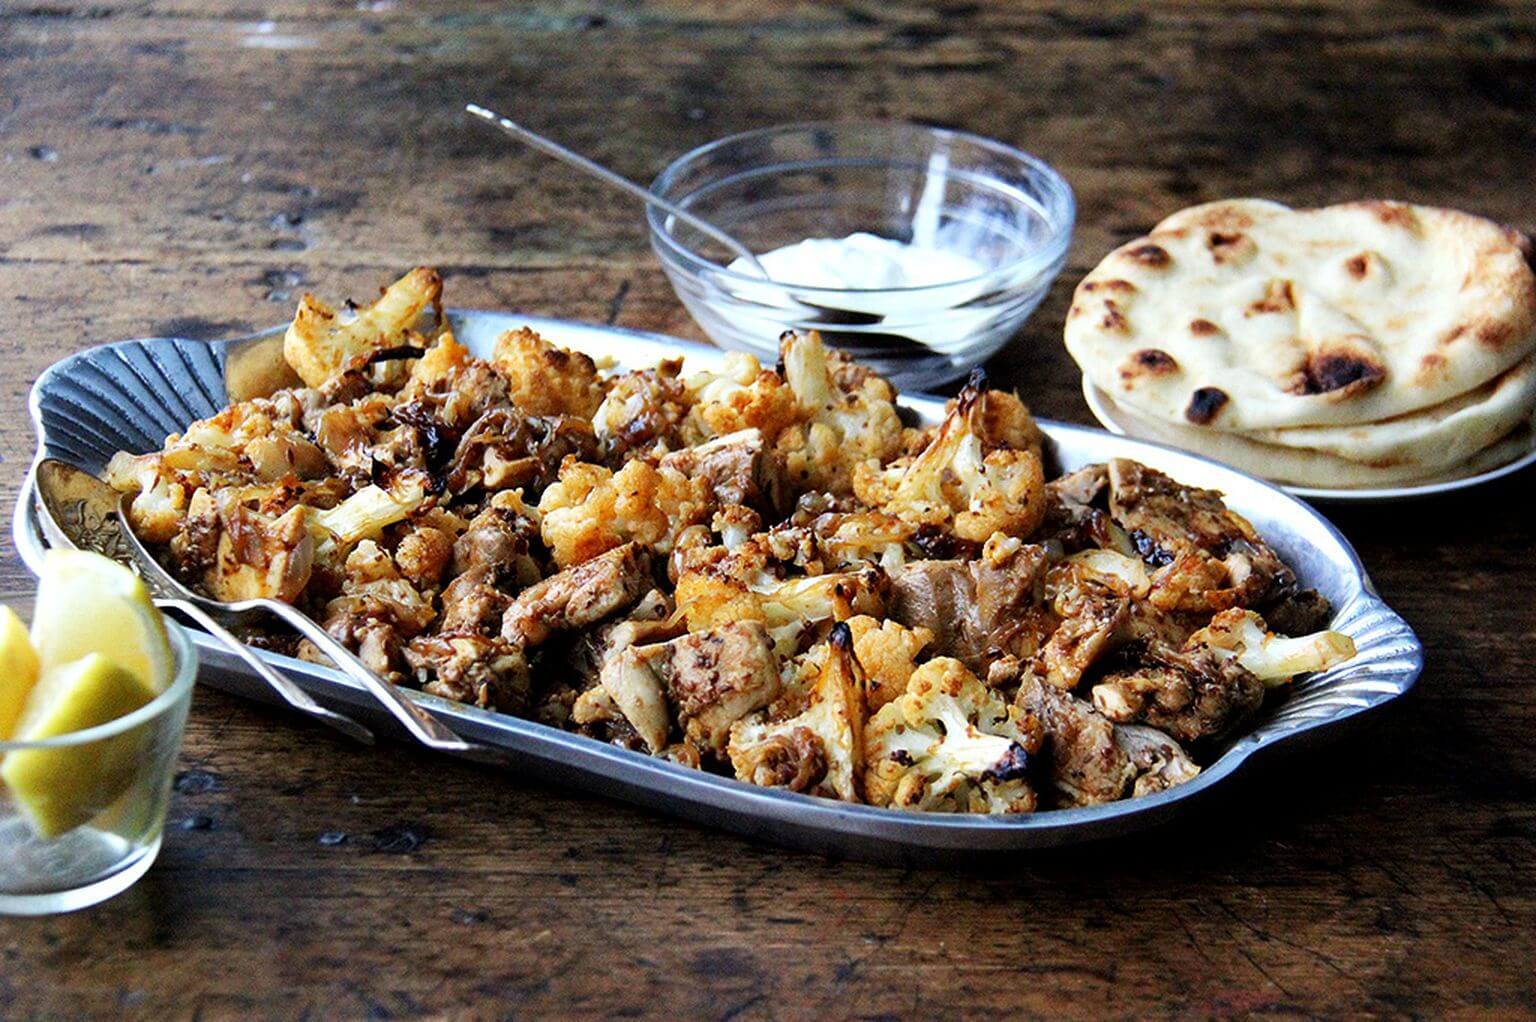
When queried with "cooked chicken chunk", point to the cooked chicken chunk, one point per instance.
{"points": [[715, 678], [578, 596], [1093, 760], [1188, 694], [1209, 557], [979, 609]]}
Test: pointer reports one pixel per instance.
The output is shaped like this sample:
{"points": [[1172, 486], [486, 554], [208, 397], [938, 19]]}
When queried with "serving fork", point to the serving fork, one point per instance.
{"points": [[78, 510]]}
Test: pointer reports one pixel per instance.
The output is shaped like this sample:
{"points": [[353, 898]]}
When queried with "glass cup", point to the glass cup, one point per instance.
{"points": [[1004, 211], [117, 782]]}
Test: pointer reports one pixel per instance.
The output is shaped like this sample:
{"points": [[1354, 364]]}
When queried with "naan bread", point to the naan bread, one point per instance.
{"points": [[1439, 434], [1300, 467], [1247, 315]]}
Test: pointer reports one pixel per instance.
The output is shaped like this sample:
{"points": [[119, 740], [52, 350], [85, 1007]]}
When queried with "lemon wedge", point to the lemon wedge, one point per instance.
{"points": [[58, 789], [18, 670], [87, 603]]}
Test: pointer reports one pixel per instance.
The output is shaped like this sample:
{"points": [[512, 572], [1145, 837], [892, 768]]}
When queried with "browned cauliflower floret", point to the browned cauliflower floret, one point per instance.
{"points": [[1274, 659], [839, 428], [644, 411], [818, 750], [322, 344], [950, 744], [793, 610], [887, 651], [966, 480], [590, 509], [546, 380], [742, 395]]}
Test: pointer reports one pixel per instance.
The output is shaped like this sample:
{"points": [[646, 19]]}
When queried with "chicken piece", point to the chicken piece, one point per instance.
{"points": [[580, 595], [966, 481], [591, 509], [474, 603], [621, 687], [477, 669], [1159, 761], [712, 678], [374, 589], [950, 744], [546, 380], [736, 467], [644, 412], [1190, 695], [887, 652], [1076, 514], [1208, 557], [1297, 611], [1092, 760], [259, 556], [596, 715], [320, 344], [502, 537], [818, 750], [980, 609], [1091, 594], [505, 449]]}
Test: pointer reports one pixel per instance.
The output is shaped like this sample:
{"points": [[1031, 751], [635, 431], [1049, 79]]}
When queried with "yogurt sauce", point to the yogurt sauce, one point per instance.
{"points": [[862, 261]]}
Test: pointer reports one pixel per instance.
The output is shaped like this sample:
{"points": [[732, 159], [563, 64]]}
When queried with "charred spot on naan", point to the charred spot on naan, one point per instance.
{"points": [[1148, 362], [1150, 255], [1338, 370], [1205, 404], [1279, 296], [1203, 328]]}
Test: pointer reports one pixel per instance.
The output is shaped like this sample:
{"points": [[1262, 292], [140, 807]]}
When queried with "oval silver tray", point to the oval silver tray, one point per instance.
{"points": [[132, 394]]}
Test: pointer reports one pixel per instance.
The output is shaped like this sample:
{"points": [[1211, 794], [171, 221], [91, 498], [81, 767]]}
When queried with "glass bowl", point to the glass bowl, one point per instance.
{"points": [[115, 816], [1005, 210]]}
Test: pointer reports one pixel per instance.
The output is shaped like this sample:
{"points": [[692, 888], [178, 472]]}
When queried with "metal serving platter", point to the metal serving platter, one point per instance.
{"points": [[132, 394]]}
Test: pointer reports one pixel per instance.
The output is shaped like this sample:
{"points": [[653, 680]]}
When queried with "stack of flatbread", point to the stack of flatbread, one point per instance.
{"points": [[1365, 344]]}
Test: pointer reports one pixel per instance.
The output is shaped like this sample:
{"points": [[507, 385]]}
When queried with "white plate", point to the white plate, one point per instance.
{"points": [[1101, 404]]}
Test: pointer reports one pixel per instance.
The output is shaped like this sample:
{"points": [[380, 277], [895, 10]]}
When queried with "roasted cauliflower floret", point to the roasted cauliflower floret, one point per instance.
{"points": [[818, 750], [793, 610], [644, 411], [546, 380], [840, 426], [742, 395], [968, 480], [322, 344], [888, 652], [590, 509], [950, 744], [1274, 659]]}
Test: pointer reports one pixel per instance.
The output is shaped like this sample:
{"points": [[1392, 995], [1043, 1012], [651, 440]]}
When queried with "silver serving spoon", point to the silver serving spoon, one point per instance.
{"points": [[551, 148], [104, 526], [75, 509]]}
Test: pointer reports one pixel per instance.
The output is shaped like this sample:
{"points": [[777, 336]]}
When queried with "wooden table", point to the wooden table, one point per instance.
{"points": [[189, 167]]}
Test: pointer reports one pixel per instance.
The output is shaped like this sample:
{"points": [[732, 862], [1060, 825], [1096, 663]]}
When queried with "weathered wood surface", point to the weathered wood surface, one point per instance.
{"points": [[188, 166]]}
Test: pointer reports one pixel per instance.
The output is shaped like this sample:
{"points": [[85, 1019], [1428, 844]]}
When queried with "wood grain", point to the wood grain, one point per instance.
{"points": [[188, 167]]}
